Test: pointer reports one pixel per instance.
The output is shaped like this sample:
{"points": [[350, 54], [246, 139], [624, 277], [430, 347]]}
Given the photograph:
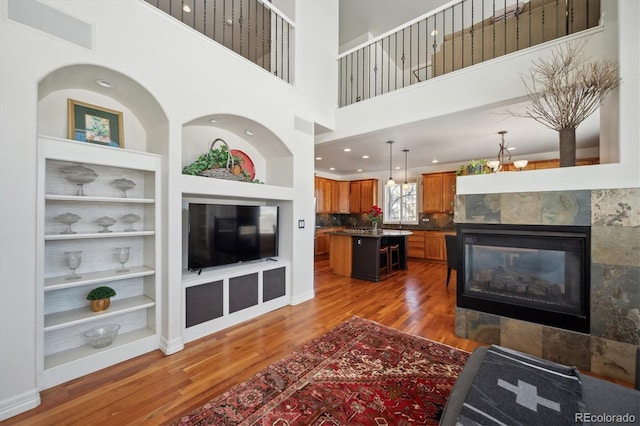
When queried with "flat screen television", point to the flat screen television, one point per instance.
{"points": [[222, 234]]}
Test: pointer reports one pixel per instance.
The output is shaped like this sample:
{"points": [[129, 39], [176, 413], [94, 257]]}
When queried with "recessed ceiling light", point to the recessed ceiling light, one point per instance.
{"points": [[435, 160], [250, 132], [347, 150], [104, 83], [186, 8], [214, 120], [434, 32], [229, 22], [511, 148], [359, 170], [332, 168], [397, 167], [318, 158], [365, 156]]}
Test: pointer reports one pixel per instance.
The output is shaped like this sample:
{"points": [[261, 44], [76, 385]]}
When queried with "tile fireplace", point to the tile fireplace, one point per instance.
{"points": [[533, 273], [611, 336]]}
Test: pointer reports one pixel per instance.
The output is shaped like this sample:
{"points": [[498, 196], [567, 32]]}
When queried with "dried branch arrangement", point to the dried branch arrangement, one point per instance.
{"points": [[567, 88]]}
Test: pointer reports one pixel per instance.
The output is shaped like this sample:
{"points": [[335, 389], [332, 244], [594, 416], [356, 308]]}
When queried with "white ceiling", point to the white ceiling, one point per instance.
{"points": [[447, 140], [442, 138]]}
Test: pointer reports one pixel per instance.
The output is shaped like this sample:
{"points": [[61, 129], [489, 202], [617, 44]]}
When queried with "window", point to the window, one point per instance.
{"points": [[401, 206]]}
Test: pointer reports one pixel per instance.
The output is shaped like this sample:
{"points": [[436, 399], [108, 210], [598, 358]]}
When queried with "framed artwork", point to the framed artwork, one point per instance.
{"points": [[95, 124]]}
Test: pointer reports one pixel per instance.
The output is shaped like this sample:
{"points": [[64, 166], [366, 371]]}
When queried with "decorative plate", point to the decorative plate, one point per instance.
{"points": [[247, 164]]}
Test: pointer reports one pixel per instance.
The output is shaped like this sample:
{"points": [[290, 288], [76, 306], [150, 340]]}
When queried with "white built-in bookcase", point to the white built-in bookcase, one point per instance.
{"points": [[63, 311]]}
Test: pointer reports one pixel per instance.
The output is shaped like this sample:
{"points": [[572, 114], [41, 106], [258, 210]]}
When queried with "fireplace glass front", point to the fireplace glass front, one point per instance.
{"points": [[534, 273]]}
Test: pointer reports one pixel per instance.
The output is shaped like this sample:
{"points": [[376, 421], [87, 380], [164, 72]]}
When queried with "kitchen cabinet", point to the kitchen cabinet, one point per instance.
{"points": [[438, 192], [415, 245], [363, 195], [340, 192], [322, 243], [434, 246], [323, 195]]}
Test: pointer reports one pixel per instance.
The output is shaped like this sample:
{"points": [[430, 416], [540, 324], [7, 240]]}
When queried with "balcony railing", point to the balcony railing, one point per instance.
{"points": [[254, 29], [454, 37]]}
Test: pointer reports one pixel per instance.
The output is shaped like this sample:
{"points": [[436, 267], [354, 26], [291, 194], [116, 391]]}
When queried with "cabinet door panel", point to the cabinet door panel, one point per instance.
{"points": [[355, 202], [434, 246], [432, 193]]}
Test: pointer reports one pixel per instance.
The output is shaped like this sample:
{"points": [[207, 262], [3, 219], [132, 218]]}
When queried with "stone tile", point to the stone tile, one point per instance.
{"points": [[615, 303], [521, 335], [482, 208], [460, 323], [459, 211], [566, 347], [615, 207], [524, 208], [615, 245], [483, 327], [566, 208], [613, 359]]}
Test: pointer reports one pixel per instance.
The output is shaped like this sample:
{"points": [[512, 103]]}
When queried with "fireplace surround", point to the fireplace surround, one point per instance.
{"points": [[613, 215], [535, 273]]}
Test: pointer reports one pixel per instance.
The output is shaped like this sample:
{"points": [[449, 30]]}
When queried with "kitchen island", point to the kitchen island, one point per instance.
{"points": [[355, 253]]}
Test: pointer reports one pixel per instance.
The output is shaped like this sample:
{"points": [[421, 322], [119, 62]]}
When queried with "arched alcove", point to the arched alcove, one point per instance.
{"points": [[142, 114], [270, 157]]}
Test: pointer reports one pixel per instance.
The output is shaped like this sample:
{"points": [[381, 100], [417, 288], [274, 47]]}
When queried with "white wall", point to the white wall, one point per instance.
{"points": [[189, 77]]}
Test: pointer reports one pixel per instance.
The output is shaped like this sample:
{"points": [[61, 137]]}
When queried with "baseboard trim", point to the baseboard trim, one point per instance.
{"points": [[19, 404]]}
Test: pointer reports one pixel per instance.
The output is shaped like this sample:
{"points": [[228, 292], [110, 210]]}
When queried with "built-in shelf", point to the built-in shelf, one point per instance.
{"points": [[88, 235], [80, 352], [62, 306], [198, 185], [83, 315], [58, 283], [91, 199]]}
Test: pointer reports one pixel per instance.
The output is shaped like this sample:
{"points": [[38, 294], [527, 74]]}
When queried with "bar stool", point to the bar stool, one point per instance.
{"points": [[394, 261], [385, 267]]}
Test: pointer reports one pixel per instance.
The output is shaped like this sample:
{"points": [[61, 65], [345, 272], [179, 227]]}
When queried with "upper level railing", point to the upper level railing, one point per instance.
{"points": [[254, 29], [457, 36]]}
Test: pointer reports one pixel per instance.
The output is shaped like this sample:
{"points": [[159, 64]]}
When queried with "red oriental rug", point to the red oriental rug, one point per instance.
{"points": [[359, 373]]}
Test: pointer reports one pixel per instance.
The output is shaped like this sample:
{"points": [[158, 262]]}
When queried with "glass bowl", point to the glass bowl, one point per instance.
{"points": [[102, 336]]}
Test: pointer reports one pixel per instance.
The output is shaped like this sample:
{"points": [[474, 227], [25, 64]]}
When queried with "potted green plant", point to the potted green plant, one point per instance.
{"points": [[100, 298], [474, 167]]}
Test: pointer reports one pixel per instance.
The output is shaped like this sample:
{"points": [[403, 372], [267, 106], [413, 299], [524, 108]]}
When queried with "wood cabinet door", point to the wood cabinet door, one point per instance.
{"points": [[434, 246], [322, 243], [355, 202], [318, 194], [448, 191], [323, 195], [341, 196], [368, 194], [432, 193], [415, 245]]}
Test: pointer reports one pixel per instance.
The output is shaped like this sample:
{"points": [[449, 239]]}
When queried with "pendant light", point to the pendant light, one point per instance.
{"points": [[405, 185], [390, 182]]}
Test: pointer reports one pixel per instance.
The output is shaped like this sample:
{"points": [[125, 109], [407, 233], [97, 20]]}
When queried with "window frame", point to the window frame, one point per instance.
{"points": [[387, 202]]}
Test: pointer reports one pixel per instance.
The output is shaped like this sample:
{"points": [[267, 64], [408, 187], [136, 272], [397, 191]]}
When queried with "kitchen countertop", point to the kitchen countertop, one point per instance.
{"points": [[370, 234]]}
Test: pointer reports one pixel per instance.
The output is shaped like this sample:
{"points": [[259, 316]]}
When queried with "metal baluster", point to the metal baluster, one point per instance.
{"points": [[472, 31], [493, 30], [403, 58], [505, 27], [462, 33], [375, 71]]}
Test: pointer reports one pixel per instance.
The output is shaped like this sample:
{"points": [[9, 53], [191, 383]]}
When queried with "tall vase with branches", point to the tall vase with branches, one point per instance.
{"points": [[566, 89]]}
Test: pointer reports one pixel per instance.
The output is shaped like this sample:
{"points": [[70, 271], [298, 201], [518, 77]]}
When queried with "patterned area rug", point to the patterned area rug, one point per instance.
{"points": [[359, 373]]}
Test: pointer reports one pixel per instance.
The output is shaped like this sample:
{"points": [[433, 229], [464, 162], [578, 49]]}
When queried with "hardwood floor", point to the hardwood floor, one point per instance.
{"points": [[155, 389]]}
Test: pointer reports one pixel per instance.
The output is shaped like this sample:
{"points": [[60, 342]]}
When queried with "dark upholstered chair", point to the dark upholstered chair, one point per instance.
{"points": [[452, 255]]}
